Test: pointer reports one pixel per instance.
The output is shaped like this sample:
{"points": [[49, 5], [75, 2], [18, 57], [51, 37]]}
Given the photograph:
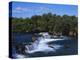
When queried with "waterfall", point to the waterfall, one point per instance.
{"points": [[41, 45]]}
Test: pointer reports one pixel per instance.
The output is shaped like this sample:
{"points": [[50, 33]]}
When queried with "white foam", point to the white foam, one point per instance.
{"points": [[41, 45], [19, 56]]}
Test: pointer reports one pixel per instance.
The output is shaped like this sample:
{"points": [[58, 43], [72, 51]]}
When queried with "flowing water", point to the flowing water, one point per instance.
{"points": [[42, 46]]}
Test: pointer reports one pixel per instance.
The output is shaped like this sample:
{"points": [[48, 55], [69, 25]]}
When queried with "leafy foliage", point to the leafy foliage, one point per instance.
{"points": [[46, 22]]}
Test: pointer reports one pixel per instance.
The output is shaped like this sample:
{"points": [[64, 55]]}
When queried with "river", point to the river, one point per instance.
{"points": [[41, 48]]}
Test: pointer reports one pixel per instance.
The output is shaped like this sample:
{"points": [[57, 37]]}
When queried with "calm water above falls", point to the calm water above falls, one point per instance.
{"points": [[41, 47]]}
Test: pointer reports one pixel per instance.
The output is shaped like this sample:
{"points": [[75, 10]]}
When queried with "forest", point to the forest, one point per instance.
{"points": [[52, 23]]}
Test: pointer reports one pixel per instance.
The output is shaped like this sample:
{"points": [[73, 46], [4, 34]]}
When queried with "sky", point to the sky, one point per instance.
{"points": [[27, 9]]}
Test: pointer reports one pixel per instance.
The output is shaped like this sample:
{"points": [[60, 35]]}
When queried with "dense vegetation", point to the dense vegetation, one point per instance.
{"points": [[52, 23]]}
